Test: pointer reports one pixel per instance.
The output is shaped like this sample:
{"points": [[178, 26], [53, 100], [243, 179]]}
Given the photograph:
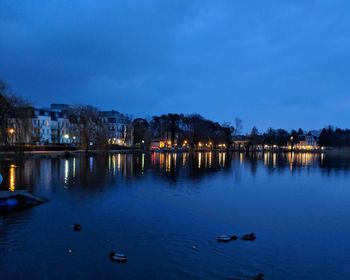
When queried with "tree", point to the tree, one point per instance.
{"points": [[87, 124], [238, 126], [227, 133], [142, 133], [15, 117], [254, 139]]}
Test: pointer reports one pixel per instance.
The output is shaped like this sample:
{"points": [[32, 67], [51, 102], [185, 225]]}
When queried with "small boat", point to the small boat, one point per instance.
{"points": [[226, 238], [117, 257]]}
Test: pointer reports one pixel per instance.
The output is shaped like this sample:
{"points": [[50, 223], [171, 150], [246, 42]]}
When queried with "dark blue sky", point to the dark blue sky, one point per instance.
{"points": [[272, 63]]}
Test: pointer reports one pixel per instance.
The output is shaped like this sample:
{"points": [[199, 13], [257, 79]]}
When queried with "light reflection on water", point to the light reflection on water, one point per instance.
{"points": [[126, 164], [26, 170], [158, 207]]}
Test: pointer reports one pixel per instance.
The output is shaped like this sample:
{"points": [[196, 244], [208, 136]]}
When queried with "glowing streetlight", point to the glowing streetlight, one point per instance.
{"points": [[66, 136], [11, 131]]}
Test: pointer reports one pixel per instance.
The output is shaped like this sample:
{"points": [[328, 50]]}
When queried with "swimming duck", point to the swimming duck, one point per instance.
{"points": [[260, 276], [117, 257], [76, 227], [226, 238], [249, 237]]}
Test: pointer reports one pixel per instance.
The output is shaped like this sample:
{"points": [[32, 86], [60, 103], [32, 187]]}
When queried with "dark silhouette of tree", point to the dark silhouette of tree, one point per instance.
{"points": [[253, 139], [237, 127], [15, 117], [142, 133], [88, 124], [334, 137]]}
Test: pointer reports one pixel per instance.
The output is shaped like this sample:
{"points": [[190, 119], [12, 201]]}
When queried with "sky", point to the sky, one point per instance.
{"points": [[271, 63]]}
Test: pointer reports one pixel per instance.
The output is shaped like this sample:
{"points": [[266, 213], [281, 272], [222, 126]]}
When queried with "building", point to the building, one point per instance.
{"points": [[118, 128], [63, 108], [306, 142], [62, 124], [60, 128], [42, 130]]}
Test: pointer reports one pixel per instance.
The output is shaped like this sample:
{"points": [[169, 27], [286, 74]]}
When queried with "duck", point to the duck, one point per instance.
{"points": [[76, 227], [117, 257], [260, 276], [226, 238], [249, 237]]}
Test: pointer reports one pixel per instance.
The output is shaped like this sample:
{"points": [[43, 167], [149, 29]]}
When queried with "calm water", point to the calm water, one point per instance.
{"points": [[165, 211]]}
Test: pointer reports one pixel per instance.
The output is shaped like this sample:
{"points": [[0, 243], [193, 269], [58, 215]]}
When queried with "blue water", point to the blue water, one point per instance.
{"points": [[164, 211]]}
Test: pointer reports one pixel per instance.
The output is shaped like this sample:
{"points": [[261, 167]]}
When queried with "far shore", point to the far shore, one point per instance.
{"points": [[345, 151]]}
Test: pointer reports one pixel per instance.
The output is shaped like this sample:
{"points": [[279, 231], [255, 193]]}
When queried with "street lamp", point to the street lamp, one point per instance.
{"points": [[12, 132], [66, 136]]}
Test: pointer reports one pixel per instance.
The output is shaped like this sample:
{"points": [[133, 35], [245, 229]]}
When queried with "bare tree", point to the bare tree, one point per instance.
{"points": [[15, 117], [88, 125], [238, 126]]}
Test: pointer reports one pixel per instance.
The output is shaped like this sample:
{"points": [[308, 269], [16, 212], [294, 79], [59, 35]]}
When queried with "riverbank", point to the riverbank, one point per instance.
{"points": [[71, 152]]}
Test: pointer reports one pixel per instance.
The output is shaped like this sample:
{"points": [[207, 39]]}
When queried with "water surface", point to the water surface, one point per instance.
{"points": [[165, 210]]}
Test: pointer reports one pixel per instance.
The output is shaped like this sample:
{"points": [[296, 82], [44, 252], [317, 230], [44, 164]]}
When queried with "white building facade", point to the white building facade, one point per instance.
{"points": [[118, 127]]}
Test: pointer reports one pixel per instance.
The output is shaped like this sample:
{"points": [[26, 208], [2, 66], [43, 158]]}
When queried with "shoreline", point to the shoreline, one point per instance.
{"points": [[334, 151]]}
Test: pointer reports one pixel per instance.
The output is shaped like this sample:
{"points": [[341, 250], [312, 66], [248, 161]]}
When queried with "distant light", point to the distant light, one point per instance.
{"points": [[66, 136], [11, 130]]}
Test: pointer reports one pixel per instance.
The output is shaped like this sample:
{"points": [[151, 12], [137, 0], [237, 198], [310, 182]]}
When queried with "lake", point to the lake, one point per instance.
{"points": [[165, 211]]}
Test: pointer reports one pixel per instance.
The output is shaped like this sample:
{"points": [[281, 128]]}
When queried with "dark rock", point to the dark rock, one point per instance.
{"points": [[10, 202]]}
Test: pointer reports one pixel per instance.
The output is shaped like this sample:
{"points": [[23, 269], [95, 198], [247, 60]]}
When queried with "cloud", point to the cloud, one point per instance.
{"points": [[264, 61]]}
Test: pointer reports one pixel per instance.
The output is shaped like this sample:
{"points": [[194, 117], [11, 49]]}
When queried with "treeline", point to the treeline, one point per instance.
{"points": [[334, 137], [272, 137], [192, 129]]}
